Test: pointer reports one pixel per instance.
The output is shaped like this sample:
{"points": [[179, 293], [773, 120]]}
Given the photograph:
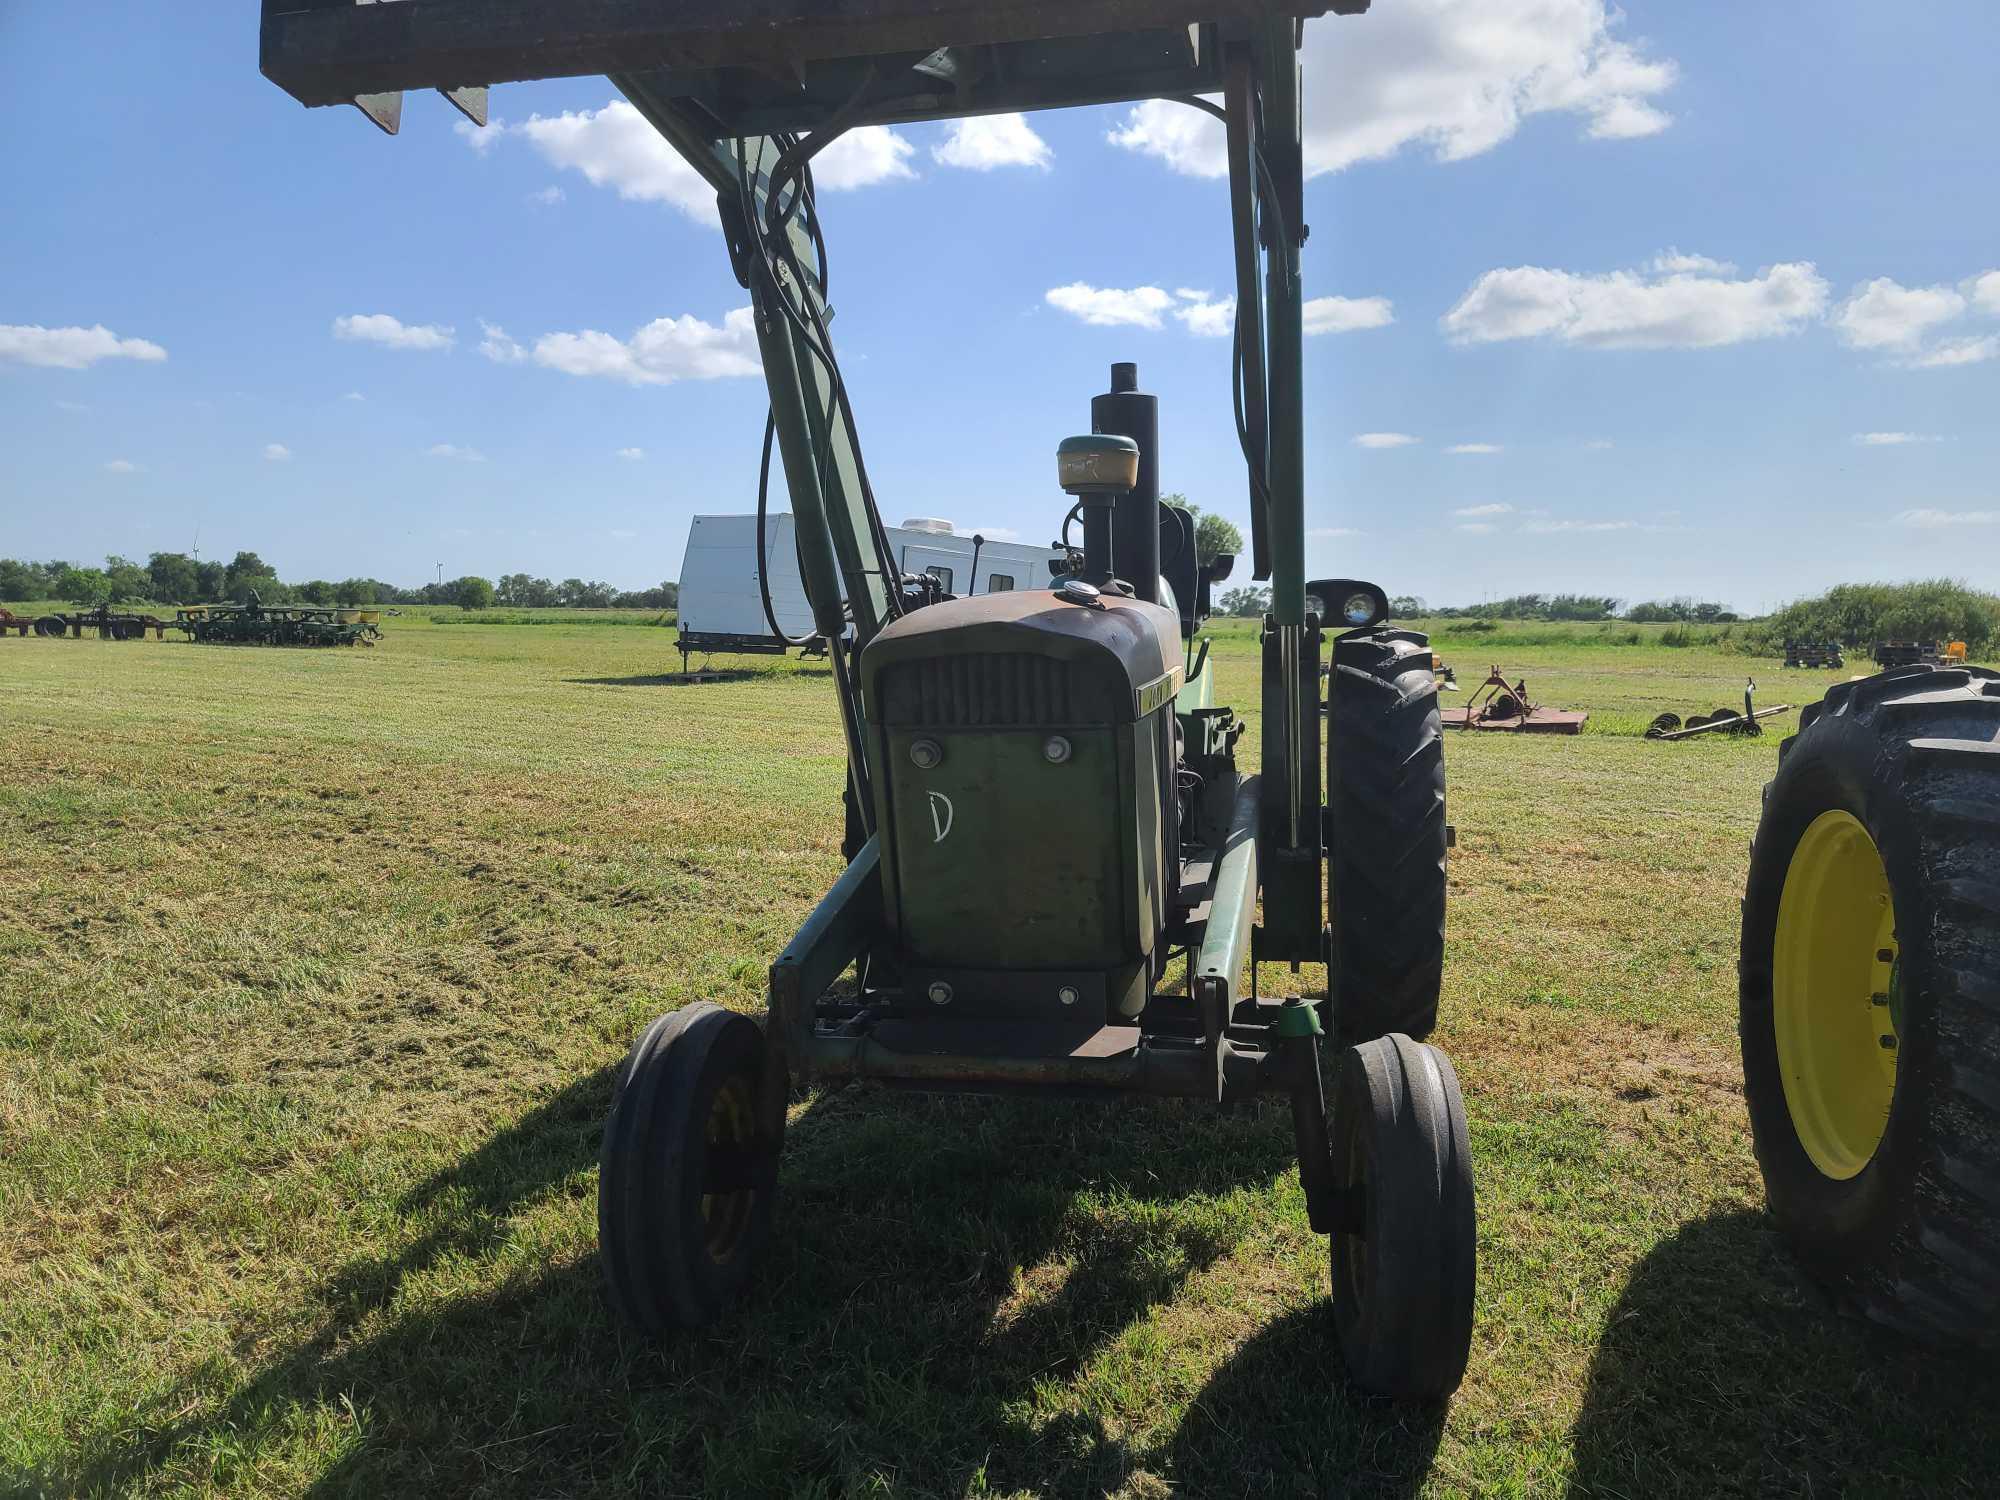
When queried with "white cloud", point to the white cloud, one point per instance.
{"points": [[1384, 440], [1959, 351], [1478, 528], [71, 348], [277, 453], [71, 406], [1473, 448], [861, 158], [354, 396], [1549, 527], [1887, 315], [985, 142], [121, 466], [613, 147], [622, 533], [1898, 320], [547, 197], [1206, 316], [452, 450], [1318, 533], [996, 533], [1891, 439], [662, 352], [632, 455], [1628, 120], [481, 138], [1188, 140], [1926, 520], [1202, 313], [1110, 307], [1457, 76], [498, 347], [1599, 445], [1484, 510], [1346, 314], [392, 333], [1672, 262], [1637, 309]]}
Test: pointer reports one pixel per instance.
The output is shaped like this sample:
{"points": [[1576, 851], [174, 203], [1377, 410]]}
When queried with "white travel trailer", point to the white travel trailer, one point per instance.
{"points": [[721, 605]]}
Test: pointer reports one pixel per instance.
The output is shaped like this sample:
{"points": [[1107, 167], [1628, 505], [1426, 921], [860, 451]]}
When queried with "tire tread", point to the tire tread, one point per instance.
{"points": [[1940, 1281], [1386, 866]]}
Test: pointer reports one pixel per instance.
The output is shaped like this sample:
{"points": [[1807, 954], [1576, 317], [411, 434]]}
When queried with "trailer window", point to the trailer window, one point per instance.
{"points": [[941, 573], [999, 583]]}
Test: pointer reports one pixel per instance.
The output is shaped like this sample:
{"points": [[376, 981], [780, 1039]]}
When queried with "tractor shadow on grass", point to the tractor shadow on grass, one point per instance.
{"points": [[1279, 1418], [937, 1262], [1723, 1370], [467, 1208], [712, 677]]}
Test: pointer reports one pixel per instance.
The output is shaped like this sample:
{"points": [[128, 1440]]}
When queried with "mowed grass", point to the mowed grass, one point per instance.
{"points": [[317, 966]]}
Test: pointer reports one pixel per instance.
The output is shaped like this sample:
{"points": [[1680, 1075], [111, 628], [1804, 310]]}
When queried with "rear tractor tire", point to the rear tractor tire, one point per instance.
{"points": [[1403, 1275], [1870, 998], [50, 626], [1386, 845], [688, 1174]]}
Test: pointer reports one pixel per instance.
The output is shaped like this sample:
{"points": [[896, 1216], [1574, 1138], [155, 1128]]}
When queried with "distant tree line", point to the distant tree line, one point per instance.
{"points": [[1859, 614], [1253, 601], [522, 591], [176, 578], [1579, 607]]}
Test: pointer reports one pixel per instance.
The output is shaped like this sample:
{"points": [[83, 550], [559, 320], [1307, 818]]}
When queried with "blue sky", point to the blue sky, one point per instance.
{"points": [[1674, 264]]}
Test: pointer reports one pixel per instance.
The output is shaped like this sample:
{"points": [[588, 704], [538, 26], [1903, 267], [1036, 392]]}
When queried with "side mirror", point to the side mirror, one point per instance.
{"points": [[1219, 567]]}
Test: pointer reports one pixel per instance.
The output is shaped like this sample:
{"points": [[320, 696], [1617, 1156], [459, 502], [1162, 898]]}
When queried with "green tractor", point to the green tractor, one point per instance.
{"points": [[1060, 878]]}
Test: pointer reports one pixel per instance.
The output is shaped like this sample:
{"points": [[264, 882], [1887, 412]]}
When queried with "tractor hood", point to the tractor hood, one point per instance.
{"points": [[945, 664]]}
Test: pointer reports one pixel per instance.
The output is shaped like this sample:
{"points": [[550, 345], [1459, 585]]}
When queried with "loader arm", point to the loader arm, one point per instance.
{"points": [[746, 89]]}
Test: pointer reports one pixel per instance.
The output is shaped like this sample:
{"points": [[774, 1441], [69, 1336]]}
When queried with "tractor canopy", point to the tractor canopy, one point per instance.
{"points": [[753, 67]]}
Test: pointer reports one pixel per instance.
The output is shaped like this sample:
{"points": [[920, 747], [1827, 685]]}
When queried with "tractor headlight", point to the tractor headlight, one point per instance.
{"points": [[1347, 603]]}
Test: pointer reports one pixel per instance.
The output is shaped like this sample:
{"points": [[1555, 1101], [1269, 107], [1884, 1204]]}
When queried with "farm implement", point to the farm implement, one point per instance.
{"points": [[1501, 705], [1813, 654], [1044, 812], [1912, 653], [1670, 726], [255, 624], [110, 624]]}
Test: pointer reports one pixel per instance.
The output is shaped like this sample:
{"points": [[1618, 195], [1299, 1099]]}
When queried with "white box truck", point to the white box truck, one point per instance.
{"points": [[722, 610]]}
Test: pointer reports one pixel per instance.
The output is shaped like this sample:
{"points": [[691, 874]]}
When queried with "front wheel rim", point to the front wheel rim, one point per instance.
{"points": [[727, 1207], [1834, 998]]}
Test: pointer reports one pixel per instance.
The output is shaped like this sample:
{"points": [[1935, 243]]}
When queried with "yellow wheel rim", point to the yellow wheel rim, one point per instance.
{"points": [[726, 1215], [1833, 994]]}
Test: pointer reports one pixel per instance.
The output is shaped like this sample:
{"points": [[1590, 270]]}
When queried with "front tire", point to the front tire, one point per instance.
{"points": [[1869, 998], [1404, 1270], [1386, 846], [688, 1173]]}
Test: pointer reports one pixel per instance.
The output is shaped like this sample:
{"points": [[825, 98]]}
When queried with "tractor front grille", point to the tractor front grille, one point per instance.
{"points": [[994, 690]]}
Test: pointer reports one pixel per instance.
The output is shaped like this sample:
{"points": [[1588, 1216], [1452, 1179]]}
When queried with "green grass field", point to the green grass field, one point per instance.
{"points": [[317, 964]]}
